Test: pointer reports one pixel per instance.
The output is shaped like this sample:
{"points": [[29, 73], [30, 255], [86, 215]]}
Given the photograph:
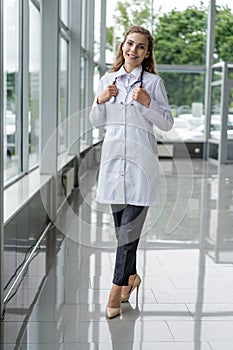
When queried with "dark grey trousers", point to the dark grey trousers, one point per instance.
{"points": [[128, 220]]}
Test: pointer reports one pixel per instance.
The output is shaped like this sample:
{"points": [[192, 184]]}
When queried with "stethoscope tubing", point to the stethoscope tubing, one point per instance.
{"points": [[113, 98]]}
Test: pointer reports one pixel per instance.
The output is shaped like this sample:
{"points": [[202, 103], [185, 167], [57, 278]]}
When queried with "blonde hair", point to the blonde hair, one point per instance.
{"points": [[148, 64]]}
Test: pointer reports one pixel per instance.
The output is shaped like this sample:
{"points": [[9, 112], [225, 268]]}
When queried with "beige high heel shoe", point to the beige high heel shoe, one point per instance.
{"points": [[136, 284], [115, 295], [112, 312]]}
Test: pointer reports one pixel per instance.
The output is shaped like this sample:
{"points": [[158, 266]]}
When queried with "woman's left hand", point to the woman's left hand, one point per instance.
{"points": [[140, 95]]}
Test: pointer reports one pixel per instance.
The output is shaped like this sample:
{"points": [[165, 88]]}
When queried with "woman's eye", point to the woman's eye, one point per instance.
{"points": [[142, 47]]}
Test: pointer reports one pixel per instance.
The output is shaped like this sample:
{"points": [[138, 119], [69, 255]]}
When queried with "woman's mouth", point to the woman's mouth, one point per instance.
{"points": [[132, 56]]}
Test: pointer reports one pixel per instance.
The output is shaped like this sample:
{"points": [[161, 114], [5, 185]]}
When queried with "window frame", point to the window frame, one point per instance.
{"points": [[64, 33], [22, 136]]}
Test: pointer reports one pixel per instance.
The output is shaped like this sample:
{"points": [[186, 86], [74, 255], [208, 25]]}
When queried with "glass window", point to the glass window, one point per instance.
{"points": [[97, 31], [186, 98], [230, 71], [83, 85], [63, 101], [96, 131], [11, 93], [84, 24], [215, 118], [230, 117], [34, 84], [217, 74], [64, 11], [82, 104]]}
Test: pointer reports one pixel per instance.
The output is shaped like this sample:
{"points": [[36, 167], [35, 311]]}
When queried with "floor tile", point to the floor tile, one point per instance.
{"points": [[148, 282], [191, 296], [155, 345], [66, 346], [176, 258], [33, 332], [163, 312], [100, 296], [224, 270], [157, 283], [201, 331], [221, 345], [53, 313], [148, 312], [117, 330], [218, 296], [182, 271], [148, 259], [208, 282], [51, 296], [211, 312], [10, 331], [175, 296], [66, 281], [8, 346]]}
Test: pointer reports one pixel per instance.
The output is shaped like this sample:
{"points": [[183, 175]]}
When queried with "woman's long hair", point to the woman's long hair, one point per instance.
{"points": [[148, 64]]}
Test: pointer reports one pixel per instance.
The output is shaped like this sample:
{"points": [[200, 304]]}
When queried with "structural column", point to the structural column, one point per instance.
{"points": [[209, 62], [1, 159], [49, 94], [24, 64], [75, 78], [103, 38], [90, 64]]}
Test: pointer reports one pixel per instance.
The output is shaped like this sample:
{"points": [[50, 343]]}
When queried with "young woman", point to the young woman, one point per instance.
{"points": [[130, 99]]}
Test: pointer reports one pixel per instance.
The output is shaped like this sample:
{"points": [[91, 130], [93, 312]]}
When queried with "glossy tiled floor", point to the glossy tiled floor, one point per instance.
{"points": [[185, 260]]}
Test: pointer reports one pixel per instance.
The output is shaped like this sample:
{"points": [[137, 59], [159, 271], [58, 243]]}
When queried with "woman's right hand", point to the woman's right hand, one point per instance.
{"points": [[109, 91]]}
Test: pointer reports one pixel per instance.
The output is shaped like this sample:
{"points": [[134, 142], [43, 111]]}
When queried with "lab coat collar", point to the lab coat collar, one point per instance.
{"points": [[136, 72]]}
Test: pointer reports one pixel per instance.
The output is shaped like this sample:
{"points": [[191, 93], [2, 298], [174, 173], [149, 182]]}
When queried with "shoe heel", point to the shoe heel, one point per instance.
{"points": [[136, 284], [137, 292]]}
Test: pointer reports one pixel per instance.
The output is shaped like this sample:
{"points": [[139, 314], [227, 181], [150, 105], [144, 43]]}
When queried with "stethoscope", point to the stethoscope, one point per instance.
{"points": [[113, 98]]}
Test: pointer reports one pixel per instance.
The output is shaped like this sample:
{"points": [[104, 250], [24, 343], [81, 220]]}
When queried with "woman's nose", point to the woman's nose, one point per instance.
{"points": [[133, 48]]}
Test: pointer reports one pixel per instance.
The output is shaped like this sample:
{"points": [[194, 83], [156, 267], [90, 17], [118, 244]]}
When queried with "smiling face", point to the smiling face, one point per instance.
{"points": [[134, 49]]}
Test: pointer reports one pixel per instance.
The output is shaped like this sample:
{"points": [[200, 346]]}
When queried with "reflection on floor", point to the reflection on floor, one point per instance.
{"points": [[185, 260]]}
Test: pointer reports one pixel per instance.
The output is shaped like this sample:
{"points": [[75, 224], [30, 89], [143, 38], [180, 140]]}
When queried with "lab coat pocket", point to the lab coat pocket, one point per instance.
{"points": [[138, 117]]}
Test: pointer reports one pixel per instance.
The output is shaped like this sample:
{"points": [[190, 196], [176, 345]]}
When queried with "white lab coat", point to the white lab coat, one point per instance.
{"points": [[129, 168]]}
